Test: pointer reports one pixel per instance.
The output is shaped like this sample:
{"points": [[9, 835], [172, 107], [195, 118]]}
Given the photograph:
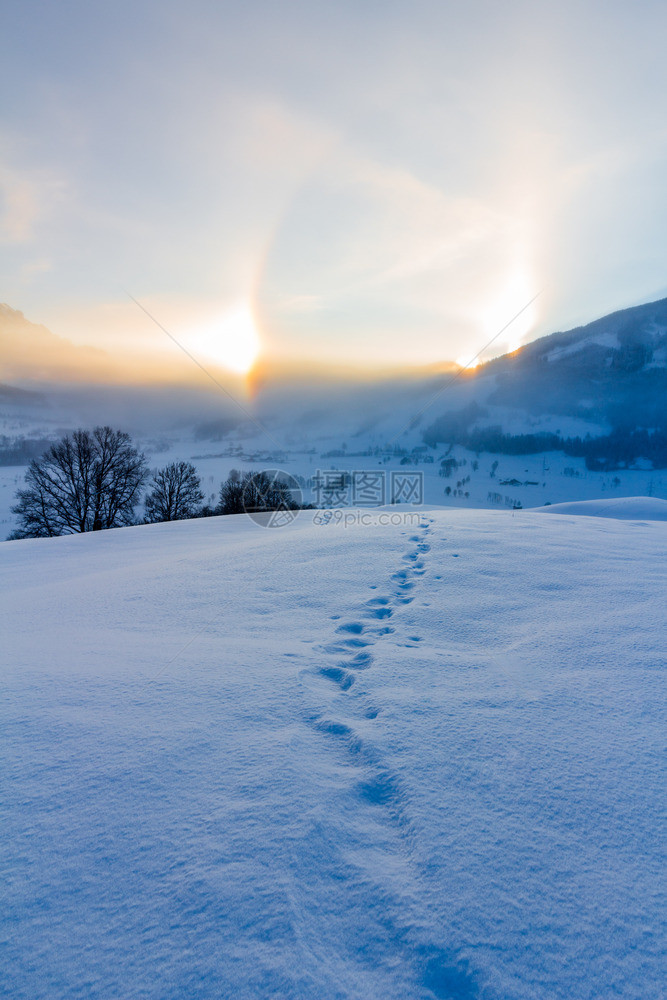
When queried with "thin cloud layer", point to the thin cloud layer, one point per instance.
{"points": [[377, 185]]}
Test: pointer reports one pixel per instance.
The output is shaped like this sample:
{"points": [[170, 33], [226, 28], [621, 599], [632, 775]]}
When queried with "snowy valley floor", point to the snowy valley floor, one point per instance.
{"points": [[402, 761]]}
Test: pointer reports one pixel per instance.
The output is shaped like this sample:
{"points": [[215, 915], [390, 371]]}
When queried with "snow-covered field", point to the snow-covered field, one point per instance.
{"points": [[412, 759]]}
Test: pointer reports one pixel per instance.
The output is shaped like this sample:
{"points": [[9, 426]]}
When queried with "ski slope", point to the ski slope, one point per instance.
{"points": [[412, 759]]}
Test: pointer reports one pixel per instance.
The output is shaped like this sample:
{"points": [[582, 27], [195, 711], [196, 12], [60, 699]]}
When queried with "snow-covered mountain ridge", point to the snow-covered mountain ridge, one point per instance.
{"points": [[613, 371]]}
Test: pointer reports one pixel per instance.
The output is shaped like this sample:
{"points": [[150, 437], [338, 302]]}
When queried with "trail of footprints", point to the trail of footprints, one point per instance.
{"points": [[353, 639], [443, 973], [351, 650]]}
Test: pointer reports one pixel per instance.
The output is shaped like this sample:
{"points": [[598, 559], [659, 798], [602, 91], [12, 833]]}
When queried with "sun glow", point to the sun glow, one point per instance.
{"points": [[231, 341], [517, 292], [467, 363]]}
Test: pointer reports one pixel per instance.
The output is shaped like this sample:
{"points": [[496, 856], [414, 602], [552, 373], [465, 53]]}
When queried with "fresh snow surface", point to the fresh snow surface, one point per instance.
{"points": [[358, 760], [628, 508]]}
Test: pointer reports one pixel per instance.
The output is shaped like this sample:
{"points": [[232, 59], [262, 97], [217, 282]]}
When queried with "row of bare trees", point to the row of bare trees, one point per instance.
{"points": [[91, 480]]}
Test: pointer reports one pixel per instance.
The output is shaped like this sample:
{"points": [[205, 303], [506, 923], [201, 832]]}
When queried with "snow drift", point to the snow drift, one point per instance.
{"points": [[628, 508]]}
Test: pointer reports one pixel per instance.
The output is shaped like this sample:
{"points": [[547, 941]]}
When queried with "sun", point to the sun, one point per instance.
{"points": [[466, 362], [512, 300], [231, 341]]}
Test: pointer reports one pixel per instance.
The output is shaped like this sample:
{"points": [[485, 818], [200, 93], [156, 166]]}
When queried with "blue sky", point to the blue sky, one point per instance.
{"points": [[375, 184]]}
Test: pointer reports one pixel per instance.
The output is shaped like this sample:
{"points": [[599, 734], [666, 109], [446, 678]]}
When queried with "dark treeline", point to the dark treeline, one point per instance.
{"points": [[20, 451], [617, 450], [620, 449]]}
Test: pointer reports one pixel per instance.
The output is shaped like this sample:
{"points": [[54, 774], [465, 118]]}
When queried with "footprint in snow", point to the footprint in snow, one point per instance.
{"points": [[381, 612], [361, 661], [379, 790], [343, 732], [355, 627], [378, 607], [341, 677], [345, 645], [386, 630]]}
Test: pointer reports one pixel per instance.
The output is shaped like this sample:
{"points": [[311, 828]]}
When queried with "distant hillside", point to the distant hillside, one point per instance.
{"points": [[30, 351], [613, 369], [610, 373], [12, 394]]}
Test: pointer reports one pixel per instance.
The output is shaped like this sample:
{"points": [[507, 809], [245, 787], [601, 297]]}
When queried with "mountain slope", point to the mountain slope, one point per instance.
{"points": [[29, 351], [606, 381], [612, 370]]}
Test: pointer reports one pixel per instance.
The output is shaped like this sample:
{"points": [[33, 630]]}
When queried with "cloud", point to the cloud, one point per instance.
{"points": [[374, 177], [374, 247], [20, 206], [28, 192], [30, 351]]}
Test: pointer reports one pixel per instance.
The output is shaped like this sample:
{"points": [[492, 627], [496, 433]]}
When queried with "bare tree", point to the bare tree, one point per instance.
{"points": [[174, 494], [256, 492], [89, 480], [231, 495], [267, 491]]}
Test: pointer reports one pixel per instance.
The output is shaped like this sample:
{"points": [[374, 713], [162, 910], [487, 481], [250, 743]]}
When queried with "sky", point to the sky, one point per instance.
{"points": [[376, 184]]}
